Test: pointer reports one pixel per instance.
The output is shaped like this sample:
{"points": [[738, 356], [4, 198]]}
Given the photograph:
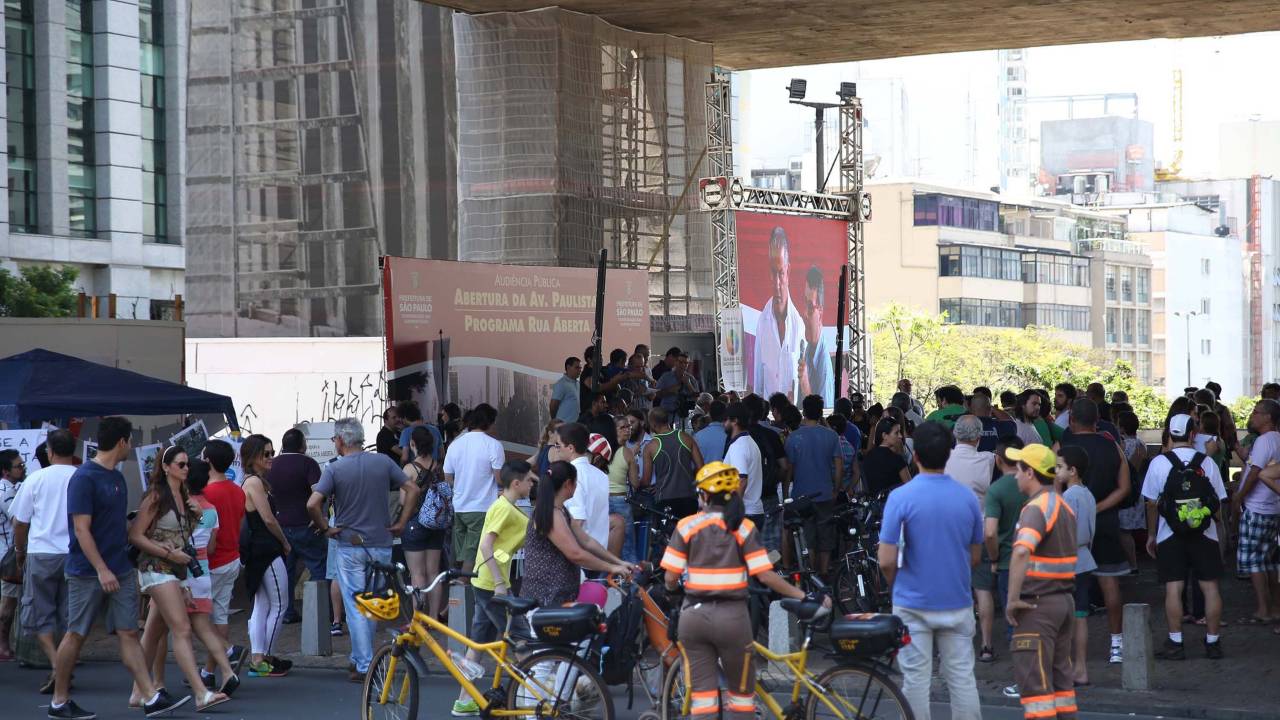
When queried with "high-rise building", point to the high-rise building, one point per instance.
{"points": [[319, 138], [92, 141]]}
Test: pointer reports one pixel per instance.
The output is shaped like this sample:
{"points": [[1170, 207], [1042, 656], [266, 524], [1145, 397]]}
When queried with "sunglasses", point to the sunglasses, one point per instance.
{"points": [[182, 465]]}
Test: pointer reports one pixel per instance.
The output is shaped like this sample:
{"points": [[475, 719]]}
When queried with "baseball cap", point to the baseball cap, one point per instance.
{"points": [[1180, 426], [597, 445], [1036, 456]]}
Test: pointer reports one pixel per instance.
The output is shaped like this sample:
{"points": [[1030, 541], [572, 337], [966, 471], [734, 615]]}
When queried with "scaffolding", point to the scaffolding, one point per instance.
{"points": [[303, 153], [575, 135]]}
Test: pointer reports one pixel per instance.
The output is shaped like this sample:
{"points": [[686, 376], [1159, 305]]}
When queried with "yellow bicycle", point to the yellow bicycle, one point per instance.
{"points": [[550, 681], [857, 687]]}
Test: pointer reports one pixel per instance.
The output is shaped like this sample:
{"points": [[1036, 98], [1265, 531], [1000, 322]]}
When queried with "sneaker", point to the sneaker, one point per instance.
{"points": [[71, 711], [1171, 651], [292, 618], [335, 629], [164, 703], [210, 680], [1117, 655], [1011, 691], [237, 655], [280, 664], [265, 669], [1213, 650], [465, 708]]}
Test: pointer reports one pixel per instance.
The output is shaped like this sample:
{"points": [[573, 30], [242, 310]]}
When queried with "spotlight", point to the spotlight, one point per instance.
{"points": [[848, 91], [796, 88]]}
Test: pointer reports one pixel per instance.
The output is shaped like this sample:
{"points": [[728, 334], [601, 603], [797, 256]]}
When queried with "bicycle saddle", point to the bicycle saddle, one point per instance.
{"points": [[515, 605], [803, 609]]}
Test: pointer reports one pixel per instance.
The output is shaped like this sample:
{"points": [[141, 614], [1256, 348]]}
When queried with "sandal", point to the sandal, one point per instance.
{"points": [[229, 685], [1255, 620], [210, 700], [986, 655]]}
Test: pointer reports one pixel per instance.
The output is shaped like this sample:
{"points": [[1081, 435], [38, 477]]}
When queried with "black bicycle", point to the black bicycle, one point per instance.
{"points": [[859, 585]]}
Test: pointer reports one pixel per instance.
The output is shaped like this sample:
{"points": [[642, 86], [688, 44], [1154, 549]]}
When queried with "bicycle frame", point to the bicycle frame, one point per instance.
{"points": [[804, 682], [419, 634]]}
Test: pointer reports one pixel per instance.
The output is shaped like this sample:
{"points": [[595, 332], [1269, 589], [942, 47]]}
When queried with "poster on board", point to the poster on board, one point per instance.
{"points": [[25, 442], [191, 438], [148, 458]]}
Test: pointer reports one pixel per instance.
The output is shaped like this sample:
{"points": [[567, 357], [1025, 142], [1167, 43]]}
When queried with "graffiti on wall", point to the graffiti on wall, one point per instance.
{"points": [[362, 399], [319, 398]]}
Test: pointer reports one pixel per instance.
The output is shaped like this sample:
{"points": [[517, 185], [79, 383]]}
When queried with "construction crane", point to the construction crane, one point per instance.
{"points": [[1174, 170]]}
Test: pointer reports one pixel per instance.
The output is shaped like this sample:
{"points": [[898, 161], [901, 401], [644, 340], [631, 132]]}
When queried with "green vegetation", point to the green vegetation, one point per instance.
{"points": [[922, 347], [39, 291]]}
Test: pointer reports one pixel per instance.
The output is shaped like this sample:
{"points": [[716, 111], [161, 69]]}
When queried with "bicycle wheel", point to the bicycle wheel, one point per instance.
{"points": [[563, 685], [850, 595], [858, 692], [671, 699], [402, 684]]}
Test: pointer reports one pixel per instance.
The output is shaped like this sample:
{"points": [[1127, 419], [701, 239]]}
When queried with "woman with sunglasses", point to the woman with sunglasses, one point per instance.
{"points": [[162, 534], [263, 548]]}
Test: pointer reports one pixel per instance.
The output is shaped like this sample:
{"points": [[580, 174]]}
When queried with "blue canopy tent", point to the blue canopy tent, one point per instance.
{"points": [[42, 385]]}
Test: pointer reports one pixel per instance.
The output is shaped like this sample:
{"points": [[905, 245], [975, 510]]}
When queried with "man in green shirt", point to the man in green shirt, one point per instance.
{"points": [[1003, 505], [950, 406]]}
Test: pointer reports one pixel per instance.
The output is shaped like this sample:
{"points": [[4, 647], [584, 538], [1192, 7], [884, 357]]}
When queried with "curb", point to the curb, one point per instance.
{"points": [[1139, 702]]}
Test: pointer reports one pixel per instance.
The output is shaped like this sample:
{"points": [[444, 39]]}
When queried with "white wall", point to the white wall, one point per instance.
{"points": [[277, 383], [1225, 287]]}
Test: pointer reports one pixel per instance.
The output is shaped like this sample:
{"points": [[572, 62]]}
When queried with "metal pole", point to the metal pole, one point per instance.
{"points": [[842, 308], [1187, 317], [597, 367], [821, 163]]}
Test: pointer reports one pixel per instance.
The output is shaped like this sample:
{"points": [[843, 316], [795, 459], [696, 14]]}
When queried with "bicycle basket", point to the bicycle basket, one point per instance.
{"points": [[868, 635], [566, 625]]}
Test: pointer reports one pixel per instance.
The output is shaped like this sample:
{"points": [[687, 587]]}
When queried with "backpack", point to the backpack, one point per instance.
{"points": [[620, 644], [436, 511], [1188, 501]]}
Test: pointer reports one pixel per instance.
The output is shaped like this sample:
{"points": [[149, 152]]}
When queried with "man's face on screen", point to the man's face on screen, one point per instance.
{"points": [[780, 272]]}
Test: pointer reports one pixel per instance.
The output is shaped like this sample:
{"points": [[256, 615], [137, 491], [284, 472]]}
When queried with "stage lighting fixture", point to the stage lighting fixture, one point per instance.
{"points": [[848, 91], [796, 88]]}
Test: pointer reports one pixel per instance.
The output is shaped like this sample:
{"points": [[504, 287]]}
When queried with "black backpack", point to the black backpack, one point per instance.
{"points": [[620, 645], [1188, 501]]}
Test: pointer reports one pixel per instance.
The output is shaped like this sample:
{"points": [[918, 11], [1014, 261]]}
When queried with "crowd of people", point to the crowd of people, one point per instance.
{"points": [[1033, 502]]}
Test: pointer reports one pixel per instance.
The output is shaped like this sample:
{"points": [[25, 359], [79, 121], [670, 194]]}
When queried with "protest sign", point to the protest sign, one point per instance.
{"points": [[25, 442]]}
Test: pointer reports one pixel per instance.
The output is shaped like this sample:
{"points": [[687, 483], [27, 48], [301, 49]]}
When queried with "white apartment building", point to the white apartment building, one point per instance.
{"points": [[93, 143]]}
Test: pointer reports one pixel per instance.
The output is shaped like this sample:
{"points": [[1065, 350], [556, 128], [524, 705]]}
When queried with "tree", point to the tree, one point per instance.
{"points": [[38, 291], [908, 344]]}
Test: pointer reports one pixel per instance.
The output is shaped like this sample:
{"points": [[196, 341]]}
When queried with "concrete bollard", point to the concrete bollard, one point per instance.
{"points": [[784, 631], [316, 639], [1136, 670], [461, 607]]}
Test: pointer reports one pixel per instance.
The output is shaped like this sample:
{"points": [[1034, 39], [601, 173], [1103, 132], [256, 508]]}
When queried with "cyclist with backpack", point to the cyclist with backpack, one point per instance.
{"points": [[716, 550], [1184, 495]]}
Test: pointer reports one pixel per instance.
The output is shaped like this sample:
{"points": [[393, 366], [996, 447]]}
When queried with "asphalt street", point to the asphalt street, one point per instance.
{"points": [[312, 694]]}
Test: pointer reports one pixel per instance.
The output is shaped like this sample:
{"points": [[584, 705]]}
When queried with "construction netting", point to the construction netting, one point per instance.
{"points": [[319, 137], [575, 135]]}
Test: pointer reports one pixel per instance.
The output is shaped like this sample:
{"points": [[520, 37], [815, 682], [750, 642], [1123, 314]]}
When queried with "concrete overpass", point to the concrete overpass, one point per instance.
{"points": [[765, 33]]}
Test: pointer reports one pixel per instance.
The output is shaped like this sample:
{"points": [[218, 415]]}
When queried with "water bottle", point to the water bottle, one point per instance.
{"points": [[469, 669]]}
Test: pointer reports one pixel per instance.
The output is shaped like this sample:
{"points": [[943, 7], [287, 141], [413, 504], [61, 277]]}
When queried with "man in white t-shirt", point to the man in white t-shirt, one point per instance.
{"points": [[744, 454], [589, 506], [41, 537], [968, 465], [472, 465], [1191, 551], [1258, 508]]}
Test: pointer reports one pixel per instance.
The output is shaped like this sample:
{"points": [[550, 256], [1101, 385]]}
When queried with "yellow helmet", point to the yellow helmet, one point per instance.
{"points": [[379, 606], [718, 477]]}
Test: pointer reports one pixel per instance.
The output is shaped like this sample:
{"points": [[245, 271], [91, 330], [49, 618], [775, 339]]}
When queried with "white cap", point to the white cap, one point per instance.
{"points": [[1180, 426]]}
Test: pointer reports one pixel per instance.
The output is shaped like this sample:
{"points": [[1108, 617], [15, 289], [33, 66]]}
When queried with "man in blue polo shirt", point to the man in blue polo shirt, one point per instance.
{"points": [[100, 575], [929, 543]]}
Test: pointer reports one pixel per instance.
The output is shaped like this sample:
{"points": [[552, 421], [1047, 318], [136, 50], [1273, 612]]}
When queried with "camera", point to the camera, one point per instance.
{"points": [[193, 567]]}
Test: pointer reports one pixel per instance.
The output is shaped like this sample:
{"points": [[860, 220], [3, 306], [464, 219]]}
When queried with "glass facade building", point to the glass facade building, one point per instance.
{"points": [[20, 99], [81, 162]]}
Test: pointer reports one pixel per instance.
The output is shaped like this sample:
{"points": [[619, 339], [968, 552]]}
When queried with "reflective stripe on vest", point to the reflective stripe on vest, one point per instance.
{"points": [[1052, 568], [713, 579]]}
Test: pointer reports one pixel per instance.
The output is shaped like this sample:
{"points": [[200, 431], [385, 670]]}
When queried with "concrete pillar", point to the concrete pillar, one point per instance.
{"points": [[316, 639], [461, 608], [1136, 670], [51, 115], [117, 118], [784, 629]]}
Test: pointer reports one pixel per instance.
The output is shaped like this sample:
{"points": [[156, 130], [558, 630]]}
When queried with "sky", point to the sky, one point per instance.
{"points": [[951, 108]]}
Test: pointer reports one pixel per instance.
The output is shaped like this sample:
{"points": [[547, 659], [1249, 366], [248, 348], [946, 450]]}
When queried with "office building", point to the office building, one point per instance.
{"points": [[93, 144], [989, 261]]}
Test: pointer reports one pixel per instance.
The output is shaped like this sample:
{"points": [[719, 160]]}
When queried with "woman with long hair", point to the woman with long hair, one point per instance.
{"points": [[263, 548], [161, 532], [541, 459], [622, 477], [199, 591], [716, 551], [423, 545], [555, 551], [883, 469]]}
